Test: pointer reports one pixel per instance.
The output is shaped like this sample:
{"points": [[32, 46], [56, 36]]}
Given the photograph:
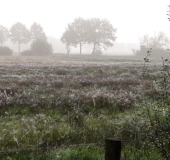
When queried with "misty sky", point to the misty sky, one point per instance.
{"points": [[132, 18]]}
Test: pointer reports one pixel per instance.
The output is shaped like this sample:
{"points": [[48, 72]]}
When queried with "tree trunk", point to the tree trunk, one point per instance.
{"points": [[67, 49], [80, 47], [94, 48], [19, 48]]}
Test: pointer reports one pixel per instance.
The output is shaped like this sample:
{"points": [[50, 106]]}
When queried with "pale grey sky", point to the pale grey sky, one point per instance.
{"points": [[132, 18]]}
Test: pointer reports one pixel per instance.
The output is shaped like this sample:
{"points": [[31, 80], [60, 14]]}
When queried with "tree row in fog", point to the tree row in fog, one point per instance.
{"points": [[99, 33], [96, 32], [21, 35]]}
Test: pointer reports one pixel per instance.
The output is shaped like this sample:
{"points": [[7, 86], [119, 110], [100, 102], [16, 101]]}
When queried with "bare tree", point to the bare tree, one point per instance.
{"points": [[145, 40], [159, 40]]}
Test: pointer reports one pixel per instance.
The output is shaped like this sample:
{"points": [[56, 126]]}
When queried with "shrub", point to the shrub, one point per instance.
{"points": [[97, 52], [26, 53], [41, 47], [156, 52], [6, 51], [157, 111]]}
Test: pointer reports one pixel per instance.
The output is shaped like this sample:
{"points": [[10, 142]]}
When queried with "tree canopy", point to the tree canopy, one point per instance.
{"points": [[79, 29], [19, 34], [68, 38], [4, 34], [37, 32], [99, 33]]}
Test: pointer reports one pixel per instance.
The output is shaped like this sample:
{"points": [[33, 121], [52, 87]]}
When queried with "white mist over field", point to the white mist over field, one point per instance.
{"points": [[133, 18]]}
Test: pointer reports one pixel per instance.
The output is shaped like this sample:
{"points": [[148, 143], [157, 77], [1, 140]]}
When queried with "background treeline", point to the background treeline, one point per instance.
{"points": [[95, 32], [159, 44], [99, 33], [19, 34]]}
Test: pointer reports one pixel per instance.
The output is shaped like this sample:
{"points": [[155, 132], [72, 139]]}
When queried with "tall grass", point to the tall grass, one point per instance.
{"points": [[48, 105]]}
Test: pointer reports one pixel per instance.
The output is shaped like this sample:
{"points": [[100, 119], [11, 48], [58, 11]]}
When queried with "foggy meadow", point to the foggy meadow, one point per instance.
{"points": [[62, 95]]}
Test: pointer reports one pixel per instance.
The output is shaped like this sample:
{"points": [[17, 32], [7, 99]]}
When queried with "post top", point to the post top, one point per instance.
{"points": [[113, 139]]}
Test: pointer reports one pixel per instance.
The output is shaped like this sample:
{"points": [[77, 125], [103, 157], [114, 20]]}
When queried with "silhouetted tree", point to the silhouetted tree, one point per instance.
{"points": [[41, 47], [100, 33], [158, 41], [80, 29], [69, 38], [19, 34], [94, 31], [37, 32], [4, 35]]}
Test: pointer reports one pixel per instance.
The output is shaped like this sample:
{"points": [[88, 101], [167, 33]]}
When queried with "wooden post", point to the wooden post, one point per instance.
{"points": [[112, 149]]}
